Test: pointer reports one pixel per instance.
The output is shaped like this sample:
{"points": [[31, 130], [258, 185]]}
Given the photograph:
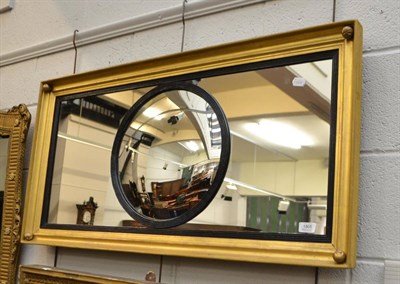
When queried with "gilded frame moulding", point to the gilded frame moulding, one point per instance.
{"points": [[346, 37], [50, 275], [14, 125]]}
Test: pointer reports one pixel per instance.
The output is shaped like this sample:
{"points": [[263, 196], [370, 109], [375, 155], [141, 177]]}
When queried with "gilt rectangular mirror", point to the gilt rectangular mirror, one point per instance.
{"points": [[14, 125], [255, 141]]}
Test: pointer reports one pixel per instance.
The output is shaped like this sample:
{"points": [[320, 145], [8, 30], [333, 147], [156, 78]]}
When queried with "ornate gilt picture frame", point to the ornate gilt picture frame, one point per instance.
{"points": [[14, 126], [50, 275], [341, 42]]}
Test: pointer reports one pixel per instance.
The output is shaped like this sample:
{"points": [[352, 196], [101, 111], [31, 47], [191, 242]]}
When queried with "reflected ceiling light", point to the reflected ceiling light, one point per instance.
{"points": [[227, 195], [231, 186], [283, 206], [280, 133], [153, 112], [298, 82], [215, 130], [192, 146], [316, 206]]}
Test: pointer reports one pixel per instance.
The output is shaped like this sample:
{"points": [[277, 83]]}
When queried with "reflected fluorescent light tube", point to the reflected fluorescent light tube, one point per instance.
{"points": [[280, 133], [190, 145], [264, 191], [153, 112], [158, 158], [82, 141], [317, 206], [231, 187]]}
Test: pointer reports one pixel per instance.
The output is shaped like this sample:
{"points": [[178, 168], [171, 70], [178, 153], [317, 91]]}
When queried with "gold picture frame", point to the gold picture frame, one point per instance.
{"points": [[340, 252], [51, 275], [14, 125]]}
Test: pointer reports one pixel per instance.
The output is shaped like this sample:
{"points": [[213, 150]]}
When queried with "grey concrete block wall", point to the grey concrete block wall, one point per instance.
{"points": [[201, 271], [54, 19], [266, 18], [379, 211], [21, 82], [118, 264], [379, 196], [380, 20], [380, 127]]}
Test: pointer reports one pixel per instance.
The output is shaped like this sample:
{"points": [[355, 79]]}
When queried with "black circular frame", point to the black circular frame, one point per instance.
{"points": [[221, 170]]}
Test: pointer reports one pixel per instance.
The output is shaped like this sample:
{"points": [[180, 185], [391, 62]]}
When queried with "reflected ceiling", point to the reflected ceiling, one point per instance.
{"points": [[264, 100]]}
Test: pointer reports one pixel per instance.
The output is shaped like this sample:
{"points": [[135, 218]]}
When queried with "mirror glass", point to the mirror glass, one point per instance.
{"points": [[3, 171], [169, 155], [277, 180], [278, 184]]}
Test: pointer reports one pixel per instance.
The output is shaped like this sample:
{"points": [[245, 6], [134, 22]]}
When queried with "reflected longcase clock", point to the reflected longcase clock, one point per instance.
{"points": [[86, 212]]}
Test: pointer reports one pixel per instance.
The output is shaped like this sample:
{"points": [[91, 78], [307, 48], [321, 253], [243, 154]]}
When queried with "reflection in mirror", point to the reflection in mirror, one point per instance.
{"points": [[169, 155], [3, 168], [277, 181], [86, 131]]}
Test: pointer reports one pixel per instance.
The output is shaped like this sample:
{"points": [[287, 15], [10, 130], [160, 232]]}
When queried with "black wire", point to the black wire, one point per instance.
{"points": [[76, 49], [316, 275], [160, 271], [56, 257], [183, 24], [334, 11]]}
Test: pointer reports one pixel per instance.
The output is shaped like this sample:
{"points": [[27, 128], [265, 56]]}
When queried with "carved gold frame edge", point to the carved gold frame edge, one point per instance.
{"points": [[340, 253], [50, 275], [14, 124]]}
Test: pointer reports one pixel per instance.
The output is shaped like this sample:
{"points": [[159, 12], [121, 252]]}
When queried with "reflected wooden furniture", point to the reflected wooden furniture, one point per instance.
{"points": [[163, 190], [173, 198], [37, 274]]}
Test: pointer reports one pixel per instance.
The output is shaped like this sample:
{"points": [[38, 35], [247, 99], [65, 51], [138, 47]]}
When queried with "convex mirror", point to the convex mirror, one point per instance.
{"points": [[175, 141]]}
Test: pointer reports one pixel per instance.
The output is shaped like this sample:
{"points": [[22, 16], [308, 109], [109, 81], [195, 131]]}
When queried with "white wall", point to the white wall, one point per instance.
{"points": [[286, 178], [32, 28]]}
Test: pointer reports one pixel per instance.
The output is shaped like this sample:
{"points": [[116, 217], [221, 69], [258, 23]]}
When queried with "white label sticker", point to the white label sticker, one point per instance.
{"points": [[306, 227], [298, 82]]}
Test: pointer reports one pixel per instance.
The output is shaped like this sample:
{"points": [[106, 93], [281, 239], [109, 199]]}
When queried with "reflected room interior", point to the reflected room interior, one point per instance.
{"points": [[277, 179], [171, 142]]}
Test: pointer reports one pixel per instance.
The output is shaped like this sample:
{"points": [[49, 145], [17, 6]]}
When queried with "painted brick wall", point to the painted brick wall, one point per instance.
{"points": [[33, 23]]}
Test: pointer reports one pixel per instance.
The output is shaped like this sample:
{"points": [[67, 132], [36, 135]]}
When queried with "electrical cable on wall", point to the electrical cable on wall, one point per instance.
{"points": [[74, 71], [182, 45], [334, 11], [76, 49], [183, 24], [160, 271]]}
